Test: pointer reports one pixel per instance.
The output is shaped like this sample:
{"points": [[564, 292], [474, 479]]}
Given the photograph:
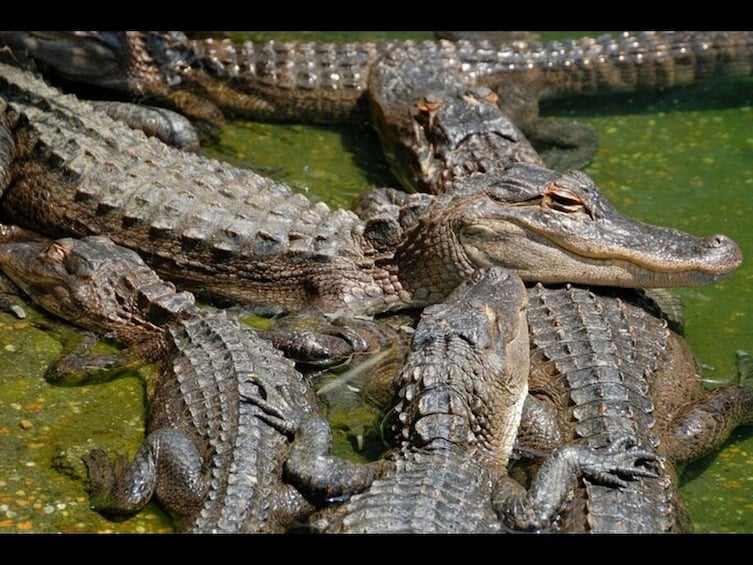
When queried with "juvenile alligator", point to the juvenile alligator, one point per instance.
{"points": [[229, 233], [455, 417], [215, 456], [209, 79]]}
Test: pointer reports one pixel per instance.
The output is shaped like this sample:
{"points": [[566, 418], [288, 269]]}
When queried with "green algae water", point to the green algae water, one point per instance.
{"points": [[682, 157]]}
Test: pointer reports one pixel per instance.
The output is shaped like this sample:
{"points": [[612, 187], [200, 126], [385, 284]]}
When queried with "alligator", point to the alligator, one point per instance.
{"points": [[434, 129], [209, 80], [454, 419], [558, 198], [229, 234], [604, 363], [215, 456]]}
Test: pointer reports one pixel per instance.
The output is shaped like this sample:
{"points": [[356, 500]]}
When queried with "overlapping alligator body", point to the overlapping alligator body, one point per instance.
{"points": [[604, 366], [209, 80], [215, 456], [231, 234], [325, 82], [456, 414]]}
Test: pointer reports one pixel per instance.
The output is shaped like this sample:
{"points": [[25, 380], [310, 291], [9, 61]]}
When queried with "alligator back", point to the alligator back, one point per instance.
{"points": [[70, 170], [209, 369], [425, 493], [310, 81], [596, 356], [454, 418]]}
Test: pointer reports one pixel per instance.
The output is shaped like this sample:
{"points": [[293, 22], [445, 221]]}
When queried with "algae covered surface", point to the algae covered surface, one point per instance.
{"points": [[681, 157]]}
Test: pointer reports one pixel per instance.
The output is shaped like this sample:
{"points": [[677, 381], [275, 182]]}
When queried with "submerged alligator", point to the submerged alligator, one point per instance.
{"points": [[215, 456], [228, 233], [209, 79], [458, 404]]}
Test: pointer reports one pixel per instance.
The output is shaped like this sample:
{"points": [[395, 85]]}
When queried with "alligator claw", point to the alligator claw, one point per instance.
{"points": [[622, 458], [274, 409], [101, 473]]}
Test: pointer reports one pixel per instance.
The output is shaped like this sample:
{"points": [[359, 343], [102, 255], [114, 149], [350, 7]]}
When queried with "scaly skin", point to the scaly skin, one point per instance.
{"points": [[209, 79], [231, 234], [434, 129], [454, 420], [215, 456], [602, 365]]}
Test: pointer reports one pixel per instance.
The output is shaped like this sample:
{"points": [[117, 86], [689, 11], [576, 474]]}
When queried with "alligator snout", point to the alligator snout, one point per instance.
{"points": [[729, 253]]}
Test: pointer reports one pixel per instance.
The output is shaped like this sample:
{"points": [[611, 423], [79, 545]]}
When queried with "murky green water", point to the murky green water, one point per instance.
{"points": [[682, 158]]}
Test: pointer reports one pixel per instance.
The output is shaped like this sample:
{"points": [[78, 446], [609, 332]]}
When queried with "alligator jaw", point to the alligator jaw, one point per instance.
{"points": [[557, 228]]}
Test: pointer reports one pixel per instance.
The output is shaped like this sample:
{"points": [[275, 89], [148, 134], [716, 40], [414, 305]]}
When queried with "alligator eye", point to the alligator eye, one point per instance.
{"points": [[563, 200], [77, 264], [429, 104], [481, 94], [55, 252]]}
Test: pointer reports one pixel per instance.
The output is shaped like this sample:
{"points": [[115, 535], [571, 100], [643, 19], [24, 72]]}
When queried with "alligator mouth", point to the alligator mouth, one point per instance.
{"points": [[707, 260], [721, 258], [552, 258]]}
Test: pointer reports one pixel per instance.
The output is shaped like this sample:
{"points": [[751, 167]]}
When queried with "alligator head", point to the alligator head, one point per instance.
{"points": [[93, 283], [435, 126], [117, 60], [553, 228]]}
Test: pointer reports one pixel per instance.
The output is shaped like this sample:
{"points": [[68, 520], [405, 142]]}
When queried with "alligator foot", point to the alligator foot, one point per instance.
{"points": [[562, 144], [80, 366], [538, 509], [620, 459], [273, 409], [313, 339], [313, 348], [323, 476], [102, 473], [167, 465]]}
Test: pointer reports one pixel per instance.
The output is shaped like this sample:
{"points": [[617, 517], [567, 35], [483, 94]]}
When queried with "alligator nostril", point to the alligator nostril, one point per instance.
{"points": [[718, 240]]}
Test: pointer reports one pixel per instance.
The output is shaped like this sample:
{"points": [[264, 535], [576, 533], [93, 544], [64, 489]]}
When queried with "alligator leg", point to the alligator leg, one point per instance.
{"points": [[309, 464], [168, 465], [562, 144], [207, 119], [81, 366], [705, 425], [171, 127], [312, 469], [537, 508]]}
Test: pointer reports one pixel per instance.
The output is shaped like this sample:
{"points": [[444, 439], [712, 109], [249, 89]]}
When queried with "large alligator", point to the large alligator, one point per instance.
{"points": [[215, 456], [209, 79], [454, 420], [228, 233], [604, 363]]}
